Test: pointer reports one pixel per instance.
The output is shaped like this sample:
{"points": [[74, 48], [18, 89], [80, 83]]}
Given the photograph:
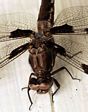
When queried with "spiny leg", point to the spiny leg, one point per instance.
{"points": [[32, 74], [30, 78], [62, 68], [58, 86], [29, 98], [28, 89]]}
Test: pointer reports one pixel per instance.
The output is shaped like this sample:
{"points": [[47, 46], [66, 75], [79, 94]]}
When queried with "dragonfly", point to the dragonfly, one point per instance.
{"points": [[69, 24]]}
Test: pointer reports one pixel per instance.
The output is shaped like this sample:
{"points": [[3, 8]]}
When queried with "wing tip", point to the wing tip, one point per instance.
{"points": [[85, 68]]}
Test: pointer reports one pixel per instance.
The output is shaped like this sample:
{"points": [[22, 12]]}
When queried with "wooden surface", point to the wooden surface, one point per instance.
{"points": [[72, 96]]}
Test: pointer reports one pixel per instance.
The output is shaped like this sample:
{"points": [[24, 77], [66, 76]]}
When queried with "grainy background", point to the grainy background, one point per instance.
{"points": [[72, 96]]}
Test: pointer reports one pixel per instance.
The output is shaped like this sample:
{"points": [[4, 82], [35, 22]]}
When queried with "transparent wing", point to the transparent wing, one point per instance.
{"points": [[12, 50], [73, 20], [10, 25], [76, 51], [71, 28], [13, 21]]}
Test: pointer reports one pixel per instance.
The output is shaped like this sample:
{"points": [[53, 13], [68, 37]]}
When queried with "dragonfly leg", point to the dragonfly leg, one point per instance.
{"points": [[28, 89], [28, 82], [29, 98], [62, 68], [58, 86], [32, 74], [73, 54]]}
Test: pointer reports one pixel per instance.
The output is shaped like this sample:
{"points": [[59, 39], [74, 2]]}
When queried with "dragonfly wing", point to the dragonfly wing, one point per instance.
{"points": [[76, 51], [73, 20], [14, 23], [11, 51], [71, 28]]}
